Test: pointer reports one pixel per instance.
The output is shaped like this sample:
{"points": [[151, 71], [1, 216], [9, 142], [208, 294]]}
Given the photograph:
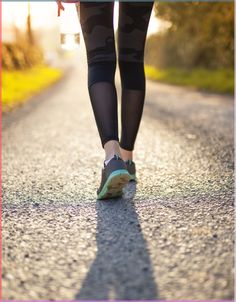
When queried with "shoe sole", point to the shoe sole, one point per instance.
{"points": [[114, 184]]}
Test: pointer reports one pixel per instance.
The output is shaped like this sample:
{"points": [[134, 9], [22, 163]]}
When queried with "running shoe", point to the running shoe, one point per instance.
{"points": [[114, 178], [130, 165]]}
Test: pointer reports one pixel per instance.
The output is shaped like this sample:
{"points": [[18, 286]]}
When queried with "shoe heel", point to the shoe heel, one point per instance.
{"points": [[114, 184]]}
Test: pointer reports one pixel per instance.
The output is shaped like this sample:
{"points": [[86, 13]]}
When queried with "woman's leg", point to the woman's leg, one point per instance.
{"points": [[97, 25], [133, 24]]}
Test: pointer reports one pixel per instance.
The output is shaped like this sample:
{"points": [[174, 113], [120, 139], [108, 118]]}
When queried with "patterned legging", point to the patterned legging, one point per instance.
{"points": [[97, 26]]}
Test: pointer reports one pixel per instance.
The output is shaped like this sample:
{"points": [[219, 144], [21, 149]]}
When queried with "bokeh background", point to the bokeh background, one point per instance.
{"points": [[189, 43], [171, 235]]}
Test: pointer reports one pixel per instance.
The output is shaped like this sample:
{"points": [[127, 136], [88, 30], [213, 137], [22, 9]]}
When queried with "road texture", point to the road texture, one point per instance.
{"points": [[169, 237]]}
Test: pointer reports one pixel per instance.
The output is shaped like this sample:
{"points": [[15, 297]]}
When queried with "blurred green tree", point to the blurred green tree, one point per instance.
{"points": [[201, 34]]}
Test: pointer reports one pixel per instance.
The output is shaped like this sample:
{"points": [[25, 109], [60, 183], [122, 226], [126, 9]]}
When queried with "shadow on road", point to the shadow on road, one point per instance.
{"points": [[122, 268]]}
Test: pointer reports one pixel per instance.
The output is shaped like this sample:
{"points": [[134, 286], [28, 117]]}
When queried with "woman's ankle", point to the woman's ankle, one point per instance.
{"points": [[111, 148], [126, 154]]}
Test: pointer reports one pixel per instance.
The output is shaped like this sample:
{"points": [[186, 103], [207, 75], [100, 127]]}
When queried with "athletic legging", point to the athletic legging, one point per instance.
{"points": [[97, 26]]}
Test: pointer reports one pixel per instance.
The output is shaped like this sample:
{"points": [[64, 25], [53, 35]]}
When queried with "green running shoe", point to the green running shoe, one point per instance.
{"points": [[114, 178], [131, 169]]}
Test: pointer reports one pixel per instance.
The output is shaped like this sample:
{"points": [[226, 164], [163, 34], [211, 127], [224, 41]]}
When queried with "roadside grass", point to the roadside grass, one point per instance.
{"points": [[19, 85], [221, 81]]}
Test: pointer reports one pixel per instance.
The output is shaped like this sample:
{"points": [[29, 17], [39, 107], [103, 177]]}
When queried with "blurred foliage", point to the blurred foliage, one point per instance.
{"points": [[221, 80], [19, 85], [20, 55], [201, 34], [24, 52]]}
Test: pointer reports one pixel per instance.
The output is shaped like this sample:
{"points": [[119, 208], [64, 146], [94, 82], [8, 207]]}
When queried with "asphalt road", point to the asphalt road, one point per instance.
{"points": [[169, 237]]}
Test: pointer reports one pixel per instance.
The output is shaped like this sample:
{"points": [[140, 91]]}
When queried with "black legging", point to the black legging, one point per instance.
{"points": [[97, 25]]}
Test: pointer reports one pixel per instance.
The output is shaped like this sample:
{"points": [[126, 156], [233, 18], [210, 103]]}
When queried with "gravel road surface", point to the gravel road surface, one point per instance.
{"points": [[171, 235]]}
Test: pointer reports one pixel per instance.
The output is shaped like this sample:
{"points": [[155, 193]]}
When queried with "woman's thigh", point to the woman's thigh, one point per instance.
{"points": [[97, 25], [133, 24]]}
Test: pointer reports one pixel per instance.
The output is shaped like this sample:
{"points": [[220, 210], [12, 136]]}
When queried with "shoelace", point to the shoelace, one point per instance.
{"points": [[129, 161]]}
